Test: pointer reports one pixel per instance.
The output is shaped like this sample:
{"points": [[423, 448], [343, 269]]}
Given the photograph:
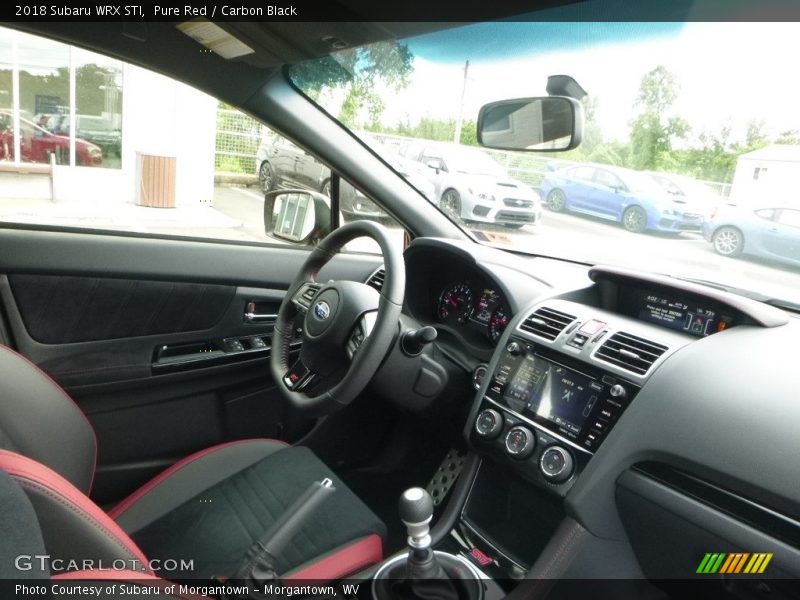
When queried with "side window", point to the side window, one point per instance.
{"points": [[582, 173], [174, 162], [608, 179], [789, 217], [411, 152]]}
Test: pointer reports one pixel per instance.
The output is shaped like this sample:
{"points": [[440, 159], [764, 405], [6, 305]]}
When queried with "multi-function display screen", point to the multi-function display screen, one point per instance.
{"points": [[549, 391], [676, 313]]}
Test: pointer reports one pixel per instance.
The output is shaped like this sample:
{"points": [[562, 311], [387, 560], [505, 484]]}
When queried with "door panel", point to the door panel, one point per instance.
{"points": [[140, 332], [781, 237], [58, 309]]}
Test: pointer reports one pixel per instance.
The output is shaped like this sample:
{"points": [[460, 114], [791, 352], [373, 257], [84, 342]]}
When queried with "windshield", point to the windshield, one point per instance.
{"points": [[696, 103], [473, 162]]}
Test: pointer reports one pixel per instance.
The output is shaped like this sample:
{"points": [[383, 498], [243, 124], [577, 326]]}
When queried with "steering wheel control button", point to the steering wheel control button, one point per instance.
{"points": [[305, 295], [520, 442], [556, 464], [298, 377], [489, 424]]}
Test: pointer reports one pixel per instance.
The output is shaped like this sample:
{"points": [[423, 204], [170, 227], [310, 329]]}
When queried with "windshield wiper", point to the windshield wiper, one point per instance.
{"points": [[777, 302]]}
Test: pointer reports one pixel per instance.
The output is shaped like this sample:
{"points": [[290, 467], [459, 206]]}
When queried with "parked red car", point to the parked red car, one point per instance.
{"points": [[37, 144]]}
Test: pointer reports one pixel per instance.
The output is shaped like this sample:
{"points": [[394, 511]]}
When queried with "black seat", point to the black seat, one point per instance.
{"points": [[203, 513]]}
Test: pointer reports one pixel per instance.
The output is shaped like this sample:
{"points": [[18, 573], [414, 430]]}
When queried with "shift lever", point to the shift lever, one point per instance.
{"points": [[416, 512], [424, 573]]}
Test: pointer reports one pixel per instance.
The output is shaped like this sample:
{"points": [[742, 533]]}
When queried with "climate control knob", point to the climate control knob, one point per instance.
{"points": [[556, 464], [520, 442], [489, 424]]}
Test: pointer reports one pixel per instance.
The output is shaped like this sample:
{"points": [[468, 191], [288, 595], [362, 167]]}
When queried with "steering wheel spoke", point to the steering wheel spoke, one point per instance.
{"points": [[304, 295], [298, 377], [360, 333]]}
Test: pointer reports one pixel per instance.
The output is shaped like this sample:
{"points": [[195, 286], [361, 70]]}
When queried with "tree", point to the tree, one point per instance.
{"points": [[755, 136], [594, 147], [427, 128], [363, 74], [654, 129], [790, 136]]}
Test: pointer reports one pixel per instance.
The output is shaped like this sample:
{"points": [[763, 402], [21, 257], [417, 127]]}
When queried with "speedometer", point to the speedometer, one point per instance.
{"points": [[497, 323], [455, 304]]}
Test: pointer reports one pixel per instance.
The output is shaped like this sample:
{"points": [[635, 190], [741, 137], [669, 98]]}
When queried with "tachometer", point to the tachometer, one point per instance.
{"points": [[455, 303], [497, 323]]}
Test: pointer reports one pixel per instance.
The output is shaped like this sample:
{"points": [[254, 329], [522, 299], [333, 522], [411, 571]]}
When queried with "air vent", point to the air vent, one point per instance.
{"points": [[376, 279], [546, 322], [629, 352]]}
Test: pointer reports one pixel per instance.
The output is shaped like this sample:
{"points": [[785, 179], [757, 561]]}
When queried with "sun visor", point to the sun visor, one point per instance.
{"points": [[215, 39]]}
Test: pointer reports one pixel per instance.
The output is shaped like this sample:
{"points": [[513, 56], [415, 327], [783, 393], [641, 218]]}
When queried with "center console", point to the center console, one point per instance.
{"points": [[546, 413], [559, 384]]}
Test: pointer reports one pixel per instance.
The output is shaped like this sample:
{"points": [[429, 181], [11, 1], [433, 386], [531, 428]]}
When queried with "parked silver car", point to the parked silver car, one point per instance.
{"points": [[471, 186]]}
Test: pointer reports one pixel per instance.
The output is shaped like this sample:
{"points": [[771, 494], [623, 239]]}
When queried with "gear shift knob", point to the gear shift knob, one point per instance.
{"points": [[416, 512]]}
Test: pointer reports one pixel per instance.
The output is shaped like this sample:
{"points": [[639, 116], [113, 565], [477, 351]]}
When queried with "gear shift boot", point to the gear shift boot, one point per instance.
{"points": [[423, 573], [449, 578]]}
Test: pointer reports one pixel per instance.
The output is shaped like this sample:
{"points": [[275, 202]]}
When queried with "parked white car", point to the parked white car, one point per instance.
{"points": [[471, 186]]}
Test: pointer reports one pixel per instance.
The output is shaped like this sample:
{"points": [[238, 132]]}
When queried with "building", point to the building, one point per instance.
{"points": [[93, 117], [769, 175]]}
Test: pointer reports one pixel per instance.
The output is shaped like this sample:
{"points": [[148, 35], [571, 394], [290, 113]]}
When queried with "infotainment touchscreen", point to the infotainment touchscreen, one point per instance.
{"points": [[540, 388]]}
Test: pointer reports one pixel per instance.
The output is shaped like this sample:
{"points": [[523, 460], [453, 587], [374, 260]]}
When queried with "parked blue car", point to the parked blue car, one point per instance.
{"points": [[629, 197], [772, 233]]}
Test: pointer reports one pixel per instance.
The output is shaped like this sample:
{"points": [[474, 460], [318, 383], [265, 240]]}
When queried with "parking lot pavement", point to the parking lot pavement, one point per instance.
{"points": [[577, 238]]}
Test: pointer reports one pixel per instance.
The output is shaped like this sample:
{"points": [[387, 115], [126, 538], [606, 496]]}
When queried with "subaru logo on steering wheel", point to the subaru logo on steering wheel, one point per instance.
{"points": [[322, 310]]}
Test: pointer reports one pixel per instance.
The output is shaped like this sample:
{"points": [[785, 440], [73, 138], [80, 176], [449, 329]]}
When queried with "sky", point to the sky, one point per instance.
{"points": [[729, 73]]}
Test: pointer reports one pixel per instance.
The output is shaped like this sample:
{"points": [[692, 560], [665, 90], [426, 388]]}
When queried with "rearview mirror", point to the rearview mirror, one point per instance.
{"points": [[547, 124], [297, 216]]}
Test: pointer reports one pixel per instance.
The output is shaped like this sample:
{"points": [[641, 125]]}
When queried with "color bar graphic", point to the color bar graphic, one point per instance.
{"points": [[734, 563]]}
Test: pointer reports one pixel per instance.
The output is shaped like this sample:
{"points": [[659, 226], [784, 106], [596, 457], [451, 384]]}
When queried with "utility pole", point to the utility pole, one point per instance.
{"points": [[457, 136]]}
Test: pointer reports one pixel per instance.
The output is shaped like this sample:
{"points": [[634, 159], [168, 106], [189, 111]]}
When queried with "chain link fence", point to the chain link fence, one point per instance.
{"points": [[239, 137]]}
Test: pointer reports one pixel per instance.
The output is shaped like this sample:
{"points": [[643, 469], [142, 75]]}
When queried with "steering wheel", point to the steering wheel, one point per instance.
{"points": [[348, 326]]}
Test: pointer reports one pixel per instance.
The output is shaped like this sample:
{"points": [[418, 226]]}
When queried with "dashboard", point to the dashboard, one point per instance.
{"points": [[625, 395]]}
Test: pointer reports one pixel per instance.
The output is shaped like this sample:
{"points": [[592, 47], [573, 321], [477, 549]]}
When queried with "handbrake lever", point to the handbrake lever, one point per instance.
{"points": [[258, 566]]}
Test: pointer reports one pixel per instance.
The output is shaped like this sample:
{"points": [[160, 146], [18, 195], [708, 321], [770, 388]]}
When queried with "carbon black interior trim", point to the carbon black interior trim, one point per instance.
{"points": [[63, 310], [776, 524]]}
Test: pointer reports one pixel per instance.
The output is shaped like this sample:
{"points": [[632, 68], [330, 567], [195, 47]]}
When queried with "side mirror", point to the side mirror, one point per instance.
{"points": [[436, 165], [546, 124], [297, 216]]}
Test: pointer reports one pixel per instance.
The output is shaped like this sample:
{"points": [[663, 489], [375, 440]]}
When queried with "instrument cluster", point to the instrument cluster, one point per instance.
{"points": [[481, 308]]}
